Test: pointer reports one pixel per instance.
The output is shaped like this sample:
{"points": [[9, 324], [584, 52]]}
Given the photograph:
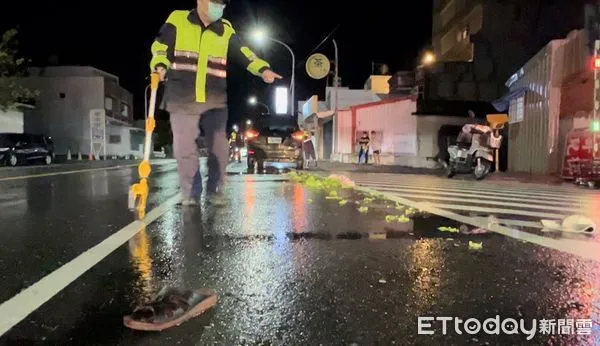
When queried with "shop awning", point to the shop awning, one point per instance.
{"points": [[503, 103]]}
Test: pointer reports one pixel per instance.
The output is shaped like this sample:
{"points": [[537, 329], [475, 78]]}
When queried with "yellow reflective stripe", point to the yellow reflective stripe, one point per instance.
{"points": [[184, 67], [187, 54], [159, 59], [187, 34], [256, 64], [159, 55], [216, 72], [248, 53], [221, 61]]}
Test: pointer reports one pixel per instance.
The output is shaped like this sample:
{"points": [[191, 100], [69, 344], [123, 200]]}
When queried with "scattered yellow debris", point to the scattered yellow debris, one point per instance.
{"points": [[449, 229], [363, 210], [390, 218], [343, 202], [475, 246], [403, 219]]}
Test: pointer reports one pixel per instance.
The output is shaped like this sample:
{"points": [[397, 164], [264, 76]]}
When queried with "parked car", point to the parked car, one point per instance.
{"points": [[276, 141], [24, 148]]}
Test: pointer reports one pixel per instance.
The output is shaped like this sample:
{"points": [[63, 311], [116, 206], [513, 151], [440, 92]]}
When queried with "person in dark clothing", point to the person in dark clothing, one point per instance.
{"points": [[364, 147]]}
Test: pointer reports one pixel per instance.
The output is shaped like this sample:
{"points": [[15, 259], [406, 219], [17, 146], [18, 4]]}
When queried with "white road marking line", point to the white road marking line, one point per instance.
{"points": [[585, 249], [27, 301], [511, 222], [483, 201], [65, 172], [474, 188], [79, 171], [495, 211], [488, 196], [486, 183]]}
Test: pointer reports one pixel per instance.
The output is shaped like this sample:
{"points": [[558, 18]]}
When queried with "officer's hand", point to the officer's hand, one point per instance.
{"points": [[269, 76], [162, 73]]}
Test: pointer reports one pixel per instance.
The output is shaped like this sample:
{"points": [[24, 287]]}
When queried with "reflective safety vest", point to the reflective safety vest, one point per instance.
{"points": [[196, 57]]}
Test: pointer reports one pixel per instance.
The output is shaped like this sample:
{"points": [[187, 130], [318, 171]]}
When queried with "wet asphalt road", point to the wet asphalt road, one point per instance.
{"points": [[290, 267]]}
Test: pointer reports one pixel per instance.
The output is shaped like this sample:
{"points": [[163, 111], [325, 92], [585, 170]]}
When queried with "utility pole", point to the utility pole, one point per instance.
{"points": [[595, 126], [334, 139]]}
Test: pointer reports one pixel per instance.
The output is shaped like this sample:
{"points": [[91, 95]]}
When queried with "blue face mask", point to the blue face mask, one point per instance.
{"points": [[215, 11]]}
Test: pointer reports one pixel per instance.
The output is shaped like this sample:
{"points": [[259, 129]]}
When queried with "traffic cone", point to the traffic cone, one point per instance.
{"points": [[69, 155], [91, 157], [79, 156]]}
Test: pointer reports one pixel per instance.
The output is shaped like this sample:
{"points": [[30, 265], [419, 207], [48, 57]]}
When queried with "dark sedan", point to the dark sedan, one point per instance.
{"points": [[23, 148], [276, 141]]}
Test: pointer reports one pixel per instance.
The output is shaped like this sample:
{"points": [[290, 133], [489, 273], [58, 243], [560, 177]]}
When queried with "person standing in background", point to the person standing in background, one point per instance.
{"points": [[309, 149], [376, 143], [363, 141]]}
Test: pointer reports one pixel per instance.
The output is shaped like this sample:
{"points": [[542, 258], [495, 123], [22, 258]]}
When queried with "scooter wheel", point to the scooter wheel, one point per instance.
{"points": [[450, 173]]}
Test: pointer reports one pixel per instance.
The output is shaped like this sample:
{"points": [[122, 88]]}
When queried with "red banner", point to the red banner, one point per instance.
{"points": [[579, 154]]}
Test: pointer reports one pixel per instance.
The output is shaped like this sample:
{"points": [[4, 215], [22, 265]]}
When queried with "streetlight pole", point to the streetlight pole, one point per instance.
{"points": [[264, 105], [293, 82], [253, 101], [335, 84]]}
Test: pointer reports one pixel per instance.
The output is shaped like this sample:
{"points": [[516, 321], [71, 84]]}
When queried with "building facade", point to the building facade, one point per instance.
{"points": [[494, 37], [67, 94]]}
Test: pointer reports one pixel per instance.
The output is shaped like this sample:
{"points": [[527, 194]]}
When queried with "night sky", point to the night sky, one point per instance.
{"points": [[115, 36]]}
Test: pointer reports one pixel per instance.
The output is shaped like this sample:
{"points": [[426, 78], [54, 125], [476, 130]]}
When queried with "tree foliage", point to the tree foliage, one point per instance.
{"points": [[11, 68]]}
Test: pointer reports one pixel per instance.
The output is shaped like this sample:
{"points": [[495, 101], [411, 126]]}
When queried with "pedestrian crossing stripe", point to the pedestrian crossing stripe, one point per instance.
{"points": [[584, 249], [498, 198]]}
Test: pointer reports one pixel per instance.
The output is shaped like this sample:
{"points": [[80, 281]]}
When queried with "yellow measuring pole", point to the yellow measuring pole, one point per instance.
{"points": [[139, 192]]}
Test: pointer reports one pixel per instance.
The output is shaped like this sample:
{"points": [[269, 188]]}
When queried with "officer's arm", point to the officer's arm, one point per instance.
{"points": [[242, 55], [163, 47]]}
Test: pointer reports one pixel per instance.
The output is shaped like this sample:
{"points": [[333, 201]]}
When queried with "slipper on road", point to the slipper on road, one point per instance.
{"points": [[171, 308]]}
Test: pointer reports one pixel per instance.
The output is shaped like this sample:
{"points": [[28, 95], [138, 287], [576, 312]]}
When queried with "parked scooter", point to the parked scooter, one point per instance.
{"points": [[478, 156]]}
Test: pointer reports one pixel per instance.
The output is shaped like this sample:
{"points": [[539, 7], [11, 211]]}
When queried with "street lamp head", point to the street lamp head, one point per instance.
{"points": [[248, 122], [252, 100], [259, 35], [428, 58]]}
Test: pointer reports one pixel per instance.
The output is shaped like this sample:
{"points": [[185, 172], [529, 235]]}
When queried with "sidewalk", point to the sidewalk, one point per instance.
{"points": [[500, 176]]}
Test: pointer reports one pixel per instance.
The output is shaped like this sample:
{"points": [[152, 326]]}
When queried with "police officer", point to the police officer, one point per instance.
{"points": [[192, 52], [235, 143]]}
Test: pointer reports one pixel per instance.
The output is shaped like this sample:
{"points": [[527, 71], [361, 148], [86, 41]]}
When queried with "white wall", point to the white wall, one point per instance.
{"points": [[395, 121], [11, 121], [65, 119], [428, 128], [407, 139]]}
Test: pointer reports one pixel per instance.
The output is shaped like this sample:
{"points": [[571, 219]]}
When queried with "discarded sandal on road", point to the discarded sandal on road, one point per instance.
{"points": [[171, 308]]}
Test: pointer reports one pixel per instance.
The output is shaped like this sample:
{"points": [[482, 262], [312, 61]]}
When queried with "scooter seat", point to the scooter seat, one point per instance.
{"points": [[463, 145]]}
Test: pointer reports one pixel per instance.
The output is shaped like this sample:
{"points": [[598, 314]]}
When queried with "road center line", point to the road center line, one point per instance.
{"points": [[30, 176], [30, 299], [66, 172]]}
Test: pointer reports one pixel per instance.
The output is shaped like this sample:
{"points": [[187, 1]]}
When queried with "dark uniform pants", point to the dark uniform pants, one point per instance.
{"points": [[186, 132]]}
